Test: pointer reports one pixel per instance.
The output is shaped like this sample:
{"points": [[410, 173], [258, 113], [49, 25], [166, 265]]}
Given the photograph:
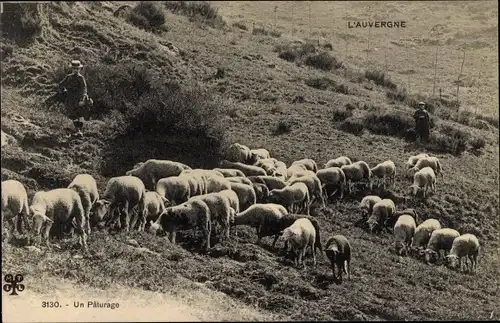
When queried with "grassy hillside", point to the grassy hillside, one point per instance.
{"points": [[232, 85]]}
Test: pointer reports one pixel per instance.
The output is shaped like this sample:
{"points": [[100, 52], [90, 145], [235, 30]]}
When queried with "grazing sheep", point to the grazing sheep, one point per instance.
{"points": [[300, 173], [246, 195], [239, 153], [338, 162], [367, 203], [242, 180], [270, 181], [294, 197], [248, 170], [382, 211], [228, 172], [175, 189], [423, 233], [60, 205], [154, 169], [431, 162], [422, 180], [86, 186], [281, 170], [205, 172], [314, 185], [384, 170], [267, 164], [234, 200], [338, 250], [261, 192], [189, 215], [301, 235], [122, 193], [466, 245], [392, 220], [441, 239], [309, 163], [261, 217], [155, 204], [286, 221], [217, 184], [260, 154], [220, 210], [332, 177], [403, 233], [295, 169], [356, 172], [14, 204], [412, 160]]}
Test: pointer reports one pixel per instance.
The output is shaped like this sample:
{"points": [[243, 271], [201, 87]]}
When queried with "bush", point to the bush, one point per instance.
{"points": [[341, 114], [240, 25], [352, 125], [454, 143], [323, 61], [147, 15], [20, 21], [320, 83], [387, 123], [380, 78], [491, 120], [262, 31], [200, 11], [477, 143], [282, 127]]}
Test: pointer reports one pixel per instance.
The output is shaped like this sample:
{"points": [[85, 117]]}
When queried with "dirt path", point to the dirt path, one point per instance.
{"points": [[134, 305]]}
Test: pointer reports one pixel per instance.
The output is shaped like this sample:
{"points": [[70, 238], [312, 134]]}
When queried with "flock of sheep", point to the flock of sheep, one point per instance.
{"points": [[250, 188]]}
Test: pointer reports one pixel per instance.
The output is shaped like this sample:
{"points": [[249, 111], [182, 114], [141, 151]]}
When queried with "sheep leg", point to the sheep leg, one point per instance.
{"points": [[333, 270], [127, 216], [275, 239], [45, 234], [347, 266], [12, 226], [259, 237], [173, 234], [314, 254], [207, 230]]}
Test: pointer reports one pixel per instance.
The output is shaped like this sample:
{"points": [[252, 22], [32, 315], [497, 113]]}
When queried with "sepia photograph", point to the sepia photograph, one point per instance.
{"points": [[209, 161]]}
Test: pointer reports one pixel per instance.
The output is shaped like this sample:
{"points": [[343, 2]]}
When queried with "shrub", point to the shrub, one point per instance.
{"points": [[352, 125], [398, 94], [489, 119], [240, 25], [20, 21], [200, 11], [341, 114], [320, 83], [387, 123], [323, 61], [282, 127], [262, 31], [380, 78], [147, 15], [440, 142], [477, 143]]}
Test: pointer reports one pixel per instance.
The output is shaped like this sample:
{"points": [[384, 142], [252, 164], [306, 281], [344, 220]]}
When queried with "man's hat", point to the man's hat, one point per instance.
{"points": [[421, 103], [76, 63]]}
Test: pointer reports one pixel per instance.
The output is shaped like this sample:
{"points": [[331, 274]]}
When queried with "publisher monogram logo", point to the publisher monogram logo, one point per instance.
{"points": [[13, 284]]}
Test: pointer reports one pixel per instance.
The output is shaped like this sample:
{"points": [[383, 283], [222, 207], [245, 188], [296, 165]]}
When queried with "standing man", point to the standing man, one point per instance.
{"points": [[422, 122], [76, 95]]}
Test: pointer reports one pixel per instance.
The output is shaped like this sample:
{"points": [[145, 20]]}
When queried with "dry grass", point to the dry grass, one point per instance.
{"points": [[263, 91]]}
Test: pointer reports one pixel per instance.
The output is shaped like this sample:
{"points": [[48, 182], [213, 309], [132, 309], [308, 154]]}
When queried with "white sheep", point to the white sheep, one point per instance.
{"points": [[332, 177], [301, 235], [237, 152], [367, 203], [423, 233], [382, 211], [86, 186], [295, 169], [154, 169], [60, 205], [465, 246], [14, 204], [242, 180], [294, 197], [422, 180], [338, 251], [261, 216], [155, 204], [338, 162], [412, 160], [248, 170], [299, 173], [189, 215], [260, 153], [246, 195], [384, 170], [175, 189], [267, 164], [122, 193], [441, 239], [270, 181], [309, 163], [233, 198], [228, 172], [404, 229], [205, 172], [216, 184], [220, 210], [281, 170], [432, 162], [356, 172], [314, 185]]}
